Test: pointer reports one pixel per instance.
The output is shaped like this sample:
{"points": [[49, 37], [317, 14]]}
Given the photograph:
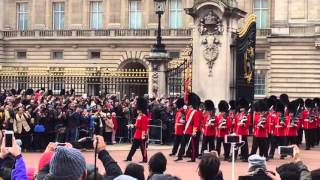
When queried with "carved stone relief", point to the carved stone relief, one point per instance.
{"points": [[210, 27]]}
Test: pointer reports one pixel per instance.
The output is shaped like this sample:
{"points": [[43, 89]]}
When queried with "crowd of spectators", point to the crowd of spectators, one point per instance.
{"points": [[39, 117]]}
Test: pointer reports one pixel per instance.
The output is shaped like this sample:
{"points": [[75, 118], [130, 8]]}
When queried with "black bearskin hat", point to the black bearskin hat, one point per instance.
{"points": [[257, 106], [284, 98], [209, 105], [29, 92], [279, 107], [271, 102], [263, 106], [316, 102], [194, 100], [309, 103], [243, 103], [179, 103], [50, 93], [273, 97], [223, 106], [300, 101], [142, 105], [292, 107], [232, 104]]}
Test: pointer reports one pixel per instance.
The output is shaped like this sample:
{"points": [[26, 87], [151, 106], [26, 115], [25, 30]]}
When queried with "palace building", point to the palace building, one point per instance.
{"points": [[101, 46]]}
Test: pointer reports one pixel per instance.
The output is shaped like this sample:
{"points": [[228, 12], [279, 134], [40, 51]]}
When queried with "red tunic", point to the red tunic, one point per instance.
{"points": [[280, 129], [221, 132], [115, 123], [270, 119], [241, 126], [142, 123], [292, 130], [180, 122], [195, 121], [306, 124], [260, 131], [209, 129]]}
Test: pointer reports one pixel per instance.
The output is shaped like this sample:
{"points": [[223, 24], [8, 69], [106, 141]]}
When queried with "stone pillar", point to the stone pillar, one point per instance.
{"points": [[215, 22], [157, 86]]}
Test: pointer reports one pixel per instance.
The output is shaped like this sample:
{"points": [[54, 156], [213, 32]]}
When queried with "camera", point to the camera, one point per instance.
{"points": [[9, 137], [285, 151], [232, 138]]}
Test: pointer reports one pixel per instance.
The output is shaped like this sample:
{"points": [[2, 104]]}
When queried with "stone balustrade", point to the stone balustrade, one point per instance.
{"points": [[96, 33]]}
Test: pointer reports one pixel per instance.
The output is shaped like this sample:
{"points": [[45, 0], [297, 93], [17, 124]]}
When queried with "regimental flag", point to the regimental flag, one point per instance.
{"points": [[245, 63], [187, 82]]}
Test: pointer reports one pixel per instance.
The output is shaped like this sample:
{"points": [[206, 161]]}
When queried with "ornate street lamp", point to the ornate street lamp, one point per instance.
{"points": [[159, 6]]}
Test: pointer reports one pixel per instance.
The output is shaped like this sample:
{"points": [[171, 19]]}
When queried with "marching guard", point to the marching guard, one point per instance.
{"points": [[192, 127], [209, 127], [242, 123], [293, 126], [180, 122], [309, 123], [141, 131], [260, 129], [224, 123]]}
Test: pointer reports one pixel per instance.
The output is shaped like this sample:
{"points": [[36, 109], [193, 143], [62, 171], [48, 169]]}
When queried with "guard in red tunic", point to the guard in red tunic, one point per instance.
{"points": [[309, 123], [180, 122], [193, 121], [224, 123], [293, 125], [317, 111], [232, 114], [301, 108], [280, 122], [141, 130], [209, 127], [242, 123], [260, 129]]}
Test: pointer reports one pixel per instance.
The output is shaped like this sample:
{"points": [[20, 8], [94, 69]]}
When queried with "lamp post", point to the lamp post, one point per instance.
{"points": [[158, 58], [159, 6]]}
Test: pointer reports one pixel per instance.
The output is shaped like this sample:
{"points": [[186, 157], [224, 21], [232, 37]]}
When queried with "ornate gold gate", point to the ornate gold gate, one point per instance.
{"points": [[91, 81]]}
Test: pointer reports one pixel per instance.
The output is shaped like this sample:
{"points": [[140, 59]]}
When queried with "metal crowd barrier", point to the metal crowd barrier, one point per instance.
{"points": [[155, 139]]}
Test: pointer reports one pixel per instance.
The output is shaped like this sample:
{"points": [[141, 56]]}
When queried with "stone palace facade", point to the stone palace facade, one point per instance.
{"points": [[118, 34]]}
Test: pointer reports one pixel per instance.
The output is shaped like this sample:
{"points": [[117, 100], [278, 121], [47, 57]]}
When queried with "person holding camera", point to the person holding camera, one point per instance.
{"points": [[180, 122], [224, 123], [209, 127], [242, 123], [141, 131]]}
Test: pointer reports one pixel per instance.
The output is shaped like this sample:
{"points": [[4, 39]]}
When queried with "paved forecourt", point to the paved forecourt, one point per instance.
{"points": [[182, 169]]}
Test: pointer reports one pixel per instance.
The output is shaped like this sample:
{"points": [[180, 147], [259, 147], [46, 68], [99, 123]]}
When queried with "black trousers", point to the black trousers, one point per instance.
{"points": [[135, 145], [244, 149], [308, 135], [278, 141], [317, 136], [300, 135], [185, 142], [108, 137], [226, 147], [291, 140], [261, 144], [208, 143], [177, 142]]}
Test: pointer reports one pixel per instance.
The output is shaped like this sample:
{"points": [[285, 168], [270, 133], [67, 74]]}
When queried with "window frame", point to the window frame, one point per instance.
{"points": [[93, 51], [61, 14], [260, 9], [136, 11], [21, 51], [176, 10], [24, 14], [98, 13], [57, 51], [260, 81]]}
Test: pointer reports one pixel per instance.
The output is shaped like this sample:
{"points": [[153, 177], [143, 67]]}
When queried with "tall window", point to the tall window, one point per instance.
{"points": [[135, 14], [261, 9], [22, 16], [96, 15], [259, 84], [58, 15], [175, 14]]}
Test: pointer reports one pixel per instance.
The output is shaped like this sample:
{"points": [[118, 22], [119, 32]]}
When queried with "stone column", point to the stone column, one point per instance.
{"points": [[214, 24], [157, 77]]}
